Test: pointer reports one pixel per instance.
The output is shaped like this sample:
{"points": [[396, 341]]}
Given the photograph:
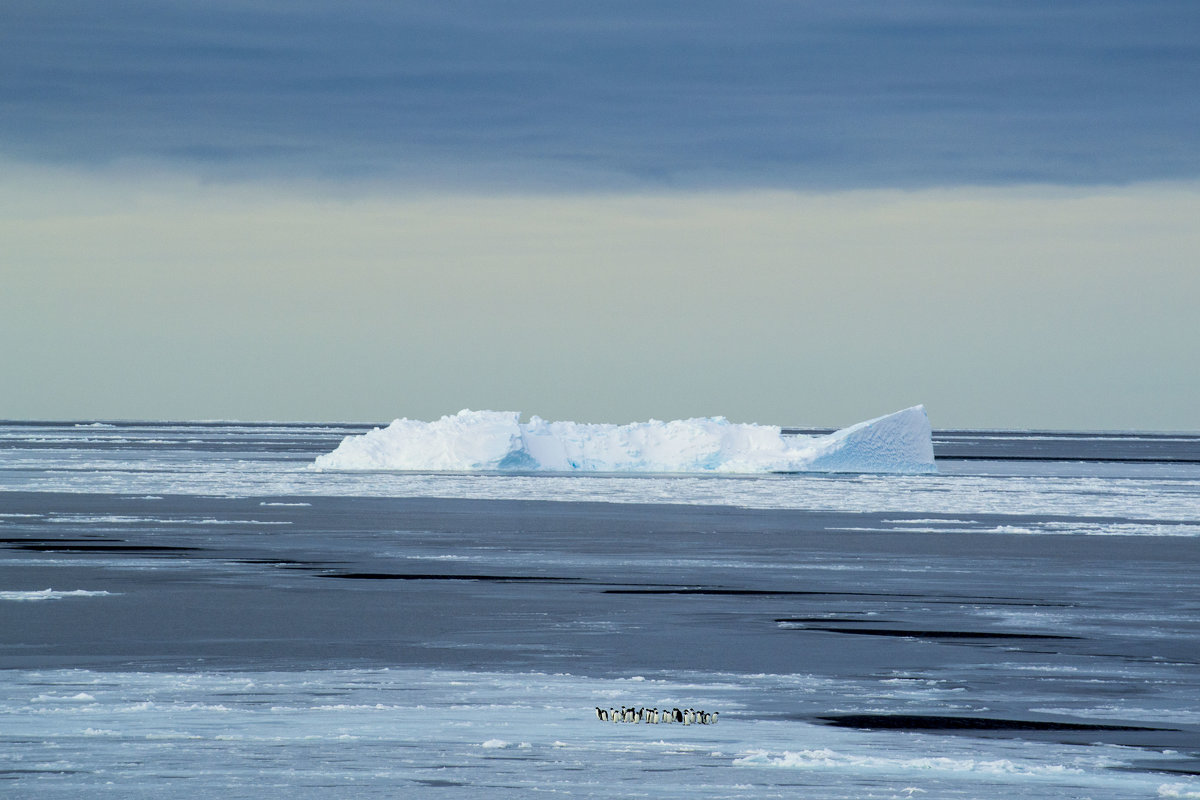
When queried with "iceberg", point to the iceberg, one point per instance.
{"points": [[498, 441]]}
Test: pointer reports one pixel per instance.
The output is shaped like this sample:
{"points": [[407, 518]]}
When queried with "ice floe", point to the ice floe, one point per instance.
{"points": [[50, 594]]}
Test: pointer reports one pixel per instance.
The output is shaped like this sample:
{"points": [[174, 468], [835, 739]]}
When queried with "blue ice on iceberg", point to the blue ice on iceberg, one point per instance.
{"points": [[499, 441]]}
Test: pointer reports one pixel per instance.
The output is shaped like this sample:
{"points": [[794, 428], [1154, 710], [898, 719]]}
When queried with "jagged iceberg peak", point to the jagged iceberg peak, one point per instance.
{"points": [[499, 441]]}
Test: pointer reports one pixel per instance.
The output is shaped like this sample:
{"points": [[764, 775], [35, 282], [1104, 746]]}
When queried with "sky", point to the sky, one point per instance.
{"points": [[789, 212]]}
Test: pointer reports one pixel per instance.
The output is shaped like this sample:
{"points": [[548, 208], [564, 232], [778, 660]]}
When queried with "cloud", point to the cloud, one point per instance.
{"points": [[545, 95]]}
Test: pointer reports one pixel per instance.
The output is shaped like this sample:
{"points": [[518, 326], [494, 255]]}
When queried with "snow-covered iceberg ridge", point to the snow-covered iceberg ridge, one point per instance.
{"points": [[499, 441]]}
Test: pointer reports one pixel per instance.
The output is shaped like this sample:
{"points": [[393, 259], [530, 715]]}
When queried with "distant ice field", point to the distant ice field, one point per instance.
{"points": [[1125, 483]]}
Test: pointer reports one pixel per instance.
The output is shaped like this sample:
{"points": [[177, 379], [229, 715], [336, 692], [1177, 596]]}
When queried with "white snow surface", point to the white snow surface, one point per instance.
{"points": [[498, 441]]}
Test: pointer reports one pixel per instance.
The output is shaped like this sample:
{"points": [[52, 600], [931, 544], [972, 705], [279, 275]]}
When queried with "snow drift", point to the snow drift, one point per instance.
{"points": [[499, 441]]}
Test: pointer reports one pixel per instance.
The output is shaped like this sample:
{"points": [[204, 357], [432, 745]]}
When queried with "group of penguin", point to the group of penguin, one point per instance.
{"points": [[653, 716]]}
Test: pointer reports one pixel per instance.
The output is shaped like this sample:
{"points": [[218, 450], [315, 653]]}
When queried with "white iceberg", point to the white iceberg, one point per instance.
{"points": [[498, 441]]}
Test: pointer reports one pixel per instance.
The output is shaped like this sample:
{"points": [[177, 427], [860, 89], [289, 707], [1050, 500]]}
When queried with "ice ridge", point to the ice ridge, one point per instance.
{"points": [[499, 441]]}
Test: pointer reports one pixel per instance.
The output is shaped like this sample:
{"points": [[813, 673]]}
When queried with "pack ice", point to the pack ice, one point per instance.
{"points": [[499, 441]]}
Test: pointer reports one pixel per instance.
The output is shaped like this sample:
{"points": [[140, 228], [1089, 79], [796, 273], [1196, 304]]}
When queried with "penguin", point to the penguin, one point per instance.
{"points": [[600, 715], [677, 714]]}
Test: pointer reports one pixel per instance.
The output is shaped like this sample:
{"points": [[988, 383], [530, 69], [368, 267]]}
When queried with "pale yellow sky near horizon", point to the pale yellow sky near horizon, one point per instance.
{"points": [[161, 297]]}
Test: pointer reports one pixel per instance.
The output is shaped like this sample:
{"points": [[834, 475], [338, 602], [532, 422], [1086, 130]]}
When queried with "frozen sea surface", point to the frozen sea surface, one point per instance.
{"points": [[191, 611], [390, 732]]}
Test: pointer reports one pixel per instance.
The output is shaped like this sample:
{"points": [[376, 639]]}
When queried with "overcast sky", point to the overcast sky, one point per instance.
{"points": [[794, 212]]}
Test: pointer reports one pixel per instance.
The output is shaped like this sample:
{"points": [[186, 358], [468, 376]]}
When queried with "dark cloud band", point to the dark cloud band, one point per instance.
{"points": [[548, 94]]}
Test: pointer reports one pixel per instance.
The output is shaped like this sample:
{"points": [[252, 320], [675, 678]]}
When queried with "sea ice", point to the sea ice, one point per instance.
{"points": [[49, 594], [499, 441]]}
